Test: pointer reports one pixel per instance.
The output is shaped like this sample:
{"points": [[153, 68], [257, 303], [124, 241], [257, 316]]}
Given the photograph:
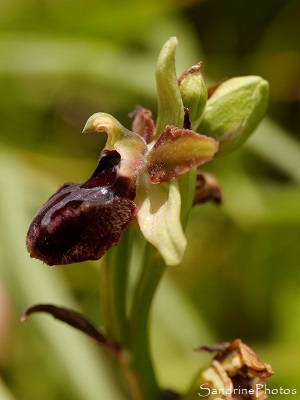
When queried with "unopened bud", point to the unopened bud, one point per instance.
{"points": [[193, 92], [234, 111]]}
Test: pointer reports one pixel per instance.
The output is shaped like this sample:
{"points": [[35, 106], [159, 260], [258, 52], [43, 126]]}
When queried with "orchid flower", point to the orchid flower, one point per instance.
{"points": [[148, 172]]}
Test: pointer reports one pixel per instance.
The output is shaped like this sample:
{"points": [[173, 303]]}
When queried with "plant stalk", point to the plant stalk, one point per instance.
{"points": [[114, 280], [140, 355]]}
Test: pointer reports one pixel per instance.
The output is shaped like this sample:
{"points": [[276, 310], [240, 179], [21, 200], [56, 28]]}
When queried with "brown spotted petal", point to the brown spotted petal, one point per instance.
{"points": [[82, 221], [236, 372], [176, 151]]}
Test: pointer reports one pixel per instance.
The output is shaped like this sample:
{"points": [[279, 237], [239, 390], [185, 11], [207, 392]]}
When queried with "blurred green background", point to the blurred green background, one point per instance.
{"points": [[61, 61]]}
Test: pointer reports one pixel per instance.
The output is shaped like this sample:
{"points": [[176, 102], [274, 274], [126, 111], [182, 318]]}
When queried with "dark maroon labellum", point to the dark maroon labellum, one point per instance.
{"points": [[82, 221]]}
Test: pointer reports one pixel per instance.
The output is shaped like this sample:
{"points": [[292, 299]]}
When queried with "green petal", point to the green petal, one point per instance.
{"points": [[170, 107], [234, 110], [176, 152], [159, 218]]}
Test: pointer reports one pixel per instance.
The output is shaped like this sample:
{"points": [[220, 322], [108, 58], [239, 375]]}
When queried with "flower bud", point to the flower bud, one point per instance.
{"points": [[193, 92], [234, 110]]}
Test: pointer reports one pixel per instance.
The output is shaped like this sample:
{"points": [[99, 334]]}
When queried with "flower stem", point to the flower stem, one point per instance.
{"points": [[114, 280], [140, 357], [187, 185]]}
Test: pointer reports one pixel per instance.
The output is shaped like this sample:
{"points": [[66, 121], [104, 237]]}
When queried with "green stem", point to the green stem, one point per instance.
{"points": [[146, 386], [187, 186], [114, 280], [133, 334]]}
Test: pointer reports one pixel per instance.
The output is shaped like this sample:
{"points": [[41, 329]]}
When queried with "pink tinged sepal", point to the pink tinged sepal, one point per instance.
{"points": [[176, 151]]}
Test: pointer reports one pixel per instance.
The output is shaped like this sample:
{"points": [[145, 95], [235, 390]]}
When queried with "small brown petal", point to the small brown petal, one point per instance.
{"points": [[142, 123], [186, 119], [212, 88]]}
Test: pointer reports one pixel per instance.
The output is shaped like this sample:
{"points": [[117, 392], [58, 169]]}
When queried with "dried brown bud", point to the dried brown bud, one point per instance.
{"points": [[207, 189]]}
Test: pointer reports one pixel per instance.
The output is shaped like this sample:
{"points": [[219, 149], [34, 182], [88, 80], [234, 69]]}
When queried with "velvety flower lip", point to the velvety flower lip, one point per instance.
{"points": [[82, 221]]}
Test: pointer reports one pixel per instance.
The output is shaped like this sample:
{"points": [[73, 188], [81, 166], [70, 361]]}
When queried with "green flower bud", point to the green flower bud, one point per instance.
{"points": [[193, 92], [234, 111]]}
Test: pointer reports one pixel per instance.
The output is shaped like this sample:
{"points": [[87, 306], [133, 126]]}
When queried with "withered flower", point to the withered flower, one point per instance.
{"points": [[234, 374]]}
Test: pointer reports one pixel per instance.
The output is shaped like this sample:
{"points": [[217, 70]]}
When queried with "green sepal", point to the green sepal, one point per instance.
{"points": [[170, 106], [131, 147]]}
